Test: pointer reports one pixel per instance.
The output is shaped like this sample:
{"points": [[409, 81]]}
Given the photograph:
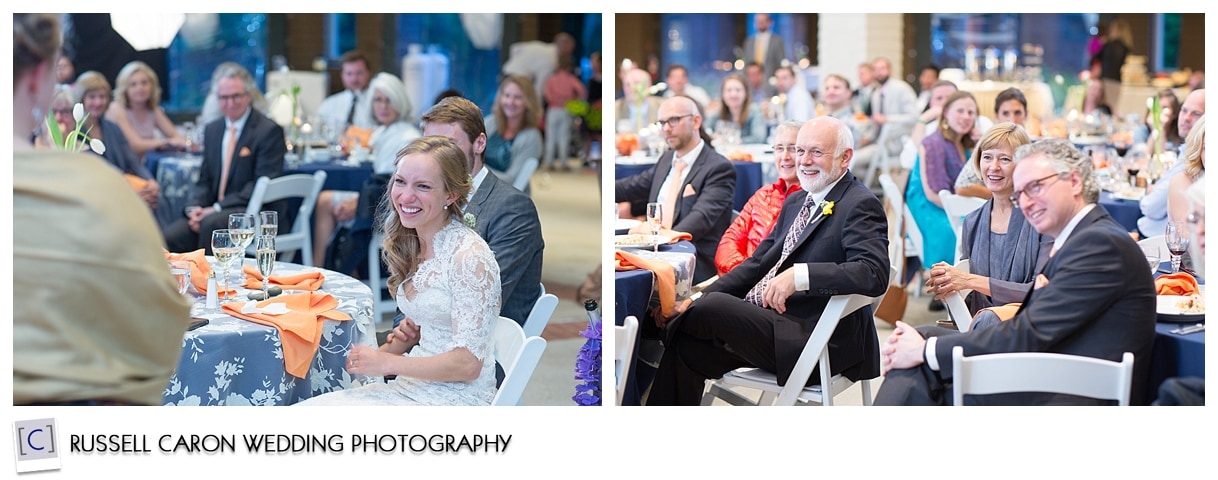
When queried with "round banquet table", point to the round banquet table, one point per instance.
{"points": [[232, 361], [339, 175], [1174, 355], [749, 178]]}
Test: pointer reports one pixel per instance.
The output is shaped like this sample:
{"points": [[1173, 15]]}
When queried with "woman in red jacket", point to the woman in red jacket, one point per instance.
{"points": [[757, 217]]}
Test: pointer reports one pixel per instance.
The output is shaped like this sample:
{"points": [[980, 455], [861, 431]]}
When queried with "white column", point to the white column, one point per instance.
{"points": [[847, 39]]}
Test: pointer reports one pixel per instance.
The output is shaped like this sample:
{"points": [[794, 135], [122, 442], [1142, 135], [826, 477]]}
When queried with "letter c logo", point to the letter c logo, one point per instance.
{"points": [[31, 436]]}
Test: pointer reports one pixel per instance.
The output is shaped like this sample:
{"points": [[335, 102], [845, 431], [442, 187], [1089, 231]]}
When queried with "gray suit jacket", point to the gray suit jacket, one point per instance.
{"points": [[774, 53], [506, 219], [898, 102]]}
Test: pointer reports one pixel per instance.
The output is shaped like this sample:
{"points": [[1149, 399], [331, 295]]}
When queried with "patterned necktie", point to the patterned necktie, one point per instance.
{"points": [[228, 159], [674, 188], [797, 228]]}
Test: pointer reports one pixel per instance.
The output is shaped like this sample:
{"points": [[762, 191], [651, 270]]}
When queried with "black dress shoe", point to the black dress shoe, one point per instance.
{"points": [[937, 305]]}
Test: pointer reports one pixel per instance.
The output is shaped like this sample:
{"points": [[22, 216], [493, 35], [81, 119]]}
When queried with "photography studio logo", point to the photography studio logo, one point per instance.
{"points": [[37, 445]]}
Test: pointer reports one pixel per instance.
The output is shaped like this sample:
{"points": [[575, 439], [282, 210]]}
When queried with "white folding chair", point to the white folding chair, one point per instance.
{"points": [[816, 352], [956, 308], [521, 181], [957, 207], [518, 354], [380, 305], [623, 352], [303, 186], [1158, 242], [1041, 372], [913, 235], [540, 315]]}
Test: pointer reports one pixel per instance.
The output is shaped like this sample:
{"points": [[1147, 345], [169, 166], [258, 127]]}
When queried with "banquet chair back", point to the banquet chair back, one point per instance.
{"points": [[912, 242], [518, 354], [521, 182], [623, 352], [303, 186], [540, 315], [1158, 242], [1041, 372], [378, 282], [957, 207], [815, 352], [956, 308]]}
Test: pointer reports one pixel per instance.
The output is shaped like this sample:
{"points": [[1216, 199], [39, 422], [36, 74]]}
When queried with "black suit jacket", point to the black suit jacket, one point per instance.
{"points": [[259, 152], [846, 253], [507, 220], [1100, 302], [704, 214]]}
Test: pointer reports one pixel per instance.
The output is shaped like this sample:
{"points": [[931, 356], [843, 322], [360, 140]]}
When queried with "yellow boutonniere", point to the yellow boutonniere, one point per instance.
{"points": [[826, 208]]}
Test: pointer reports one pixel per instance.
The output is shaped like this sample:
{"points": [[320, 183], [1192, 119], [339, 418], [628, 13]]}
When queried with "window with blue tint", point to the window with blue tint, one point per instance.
{"points": [[441, 39], [205, 41], [340, 34]]}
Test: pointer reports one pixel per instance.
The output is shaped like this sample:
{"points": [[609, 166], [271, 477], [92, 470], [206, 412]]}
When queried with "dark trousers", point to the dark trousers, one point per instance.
{"points": [[180, 238], [717, 334]]}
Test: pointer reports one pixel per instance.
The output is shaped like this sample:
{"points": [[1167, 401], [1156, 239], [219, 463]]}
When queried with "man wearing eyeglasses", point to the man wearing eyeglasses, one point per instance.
{"points": [[694, 184], [237, 149], [830, 239], [1094, 298], [1153, 205]]}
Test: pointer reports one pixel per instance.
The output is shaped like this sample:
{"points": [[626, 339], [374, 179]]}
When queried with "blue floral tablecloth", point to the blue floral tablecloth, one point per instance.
{"points": [[232, 361]]}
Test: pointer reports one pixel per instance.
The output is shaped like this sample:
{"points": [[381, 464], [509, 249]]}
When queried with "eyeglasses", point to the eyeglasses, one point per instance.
{"points": [[816, 152], [781, 149], [673, 121], [1034, 189], [230, 98], [63, 111], [1194, 217]]}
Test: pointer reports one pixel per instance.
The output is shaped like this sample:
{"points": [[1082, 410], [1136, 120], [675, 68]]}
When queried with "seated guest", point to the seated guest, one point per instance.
{"points": [[93, 91], [97, 319], [1153, 205], [62, 102], [445, 280], [511, 129], [1172, 139], [1005, 253], [65, 70], [1194, 168], [391, 108], [757, 217], [237, 149], [677, 80], [927, 76], [929, 118], [738, 112], [835, 95], [638, 106], [761, 89], [1009, 106], [211, 105], [137, 111], [1095, 296], [799, 104], [830, 239], [353, 105], [694, 183]]}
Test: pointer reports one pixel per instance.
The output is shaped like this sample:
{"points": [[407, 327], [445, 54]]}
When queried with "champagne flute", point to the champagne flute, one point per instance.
{"points": [[242, 226], [225, 248], [269, 224], [264, 247], [655, 220], [1177, 236]]}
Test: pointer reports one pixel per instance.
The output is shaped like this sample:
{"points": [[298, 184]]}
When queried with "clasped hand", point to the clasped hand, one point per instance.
{"points": [[945, 280]]}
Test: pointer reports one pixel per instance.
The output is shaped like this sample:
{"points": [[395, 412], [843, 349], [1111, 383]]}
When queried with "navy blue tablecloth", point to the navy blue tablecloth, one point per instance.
{"points": [[632, 294], [1174, 355], [338, 176], [748, 179], [1125, 212]]}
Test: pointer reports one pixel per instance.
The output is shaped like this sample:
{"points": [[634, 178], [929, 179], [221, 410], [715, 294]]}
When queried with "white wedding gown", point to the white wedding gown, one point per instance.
{"points": [[456, 304]]}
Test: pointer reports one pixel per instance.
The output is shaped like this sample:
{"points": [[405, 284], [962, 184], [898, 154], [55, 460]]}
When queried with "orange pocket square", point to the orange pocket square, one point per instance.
{"points": [[689, 190], [1176, 284], [245, 152]]}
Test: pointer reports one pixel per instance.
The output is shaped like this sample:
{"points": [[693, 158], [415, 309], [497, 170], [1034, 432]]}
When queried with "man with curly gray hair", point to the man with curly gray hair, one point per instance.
{"points": [[1094, 298]]}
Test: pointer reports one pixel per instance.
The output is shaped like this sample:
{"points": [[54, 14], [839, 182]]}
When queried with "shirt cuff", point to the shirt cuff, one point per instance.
{"points": [[801, 277], [932, 361], [217, 207]]}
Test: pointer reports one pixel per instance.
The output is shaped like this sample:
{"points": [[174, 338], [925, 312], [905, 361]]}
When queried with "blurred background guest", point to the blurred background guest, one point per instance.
{"points": [[1171, 140], [1194, 169], [638, 107], [65, 71], [511, 128], [562, 87], [1153, 205], [737, 112], [211, 105], [1112, 57], [137, 111], [352, 106], [677, 80], [764, 47], [799, 104], [927, 76], [93, 91]]}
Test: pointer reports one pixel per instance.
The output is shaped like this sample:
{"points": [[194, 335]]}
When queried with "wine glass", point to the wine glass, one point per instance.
{"points": [[1152, 257], [1177, 236], [269, 224], [180, 269], [264, 248], [655, 220], [242, 225], [225, 248]]}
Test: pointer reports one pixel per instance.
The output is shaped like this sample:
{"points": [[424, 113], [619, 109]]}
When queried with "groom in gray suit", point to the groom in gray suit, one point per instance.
{"points": [[503, 216]]}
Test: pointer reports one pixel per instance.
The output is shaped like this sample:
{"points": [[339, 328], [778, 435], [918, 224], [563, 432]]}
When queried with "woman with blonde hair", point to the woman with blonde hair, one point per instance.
{"points": [[137, 111], [511, 128], [1194, 169], [446, 283], [93, 91]]}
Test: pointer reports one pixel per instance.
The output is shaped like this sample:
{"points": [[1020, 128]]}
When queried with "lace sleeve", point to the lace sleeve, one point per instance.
{"points": [[475, 296]]}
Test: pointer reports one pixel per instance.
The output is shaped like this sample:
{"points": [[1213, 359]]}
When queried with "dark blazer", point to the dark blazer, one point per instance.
{"points": [[507, 220], [775, 52], [259, 152], [118, 151], [847, 253], [704, 214], [1100, 302]]}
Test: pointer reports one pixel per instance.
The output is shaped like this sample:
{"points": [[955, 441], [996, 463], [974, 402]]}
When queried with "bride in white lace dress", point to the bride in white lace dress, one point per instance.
{"points": [[447, 285]]}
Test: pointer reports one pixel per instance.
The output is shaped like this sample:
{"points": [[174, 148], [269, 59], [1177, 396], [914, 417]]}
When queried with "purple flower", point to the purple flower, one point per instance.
{"points": [[588, 367]]}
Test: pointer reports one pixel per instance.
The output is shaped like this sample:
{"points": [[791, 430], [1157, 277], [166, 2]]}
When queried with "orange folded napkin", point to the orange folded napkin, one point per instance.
{"points": [[1005, 312], [300, 328], [666, 277], [200, 268], [300, 281], [1176, 284], [137, 183], [363, 135], [674, 236]]}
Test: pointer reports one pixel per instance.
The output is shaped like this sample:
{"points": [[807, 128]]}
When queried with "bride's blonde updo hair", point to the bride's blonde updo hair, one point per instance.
{"points": [[401, 249]]}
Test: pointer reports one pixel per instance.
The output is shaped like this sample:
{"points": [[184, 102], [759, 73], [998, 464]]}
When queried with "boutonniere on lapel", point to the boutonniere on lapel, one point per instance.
{"points": [[470, 220], [826, 208]]}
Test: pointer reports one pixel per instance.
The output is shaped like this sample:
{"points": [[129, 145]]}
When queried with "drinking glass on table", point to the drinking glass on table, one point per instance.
{"points": [[225, 248], [1152, 257], [242, 227], [269, 223], [655, 220], [1177, 236], [264, 248], [180, 269]]}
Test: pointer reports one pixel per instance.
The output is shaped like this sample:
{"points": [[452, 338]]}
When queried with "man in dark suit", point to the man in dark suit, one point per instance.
{"points": [[690, 179], [238, 148], [763, 47], [503, 216], [831, 239], [1094, 298]]}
